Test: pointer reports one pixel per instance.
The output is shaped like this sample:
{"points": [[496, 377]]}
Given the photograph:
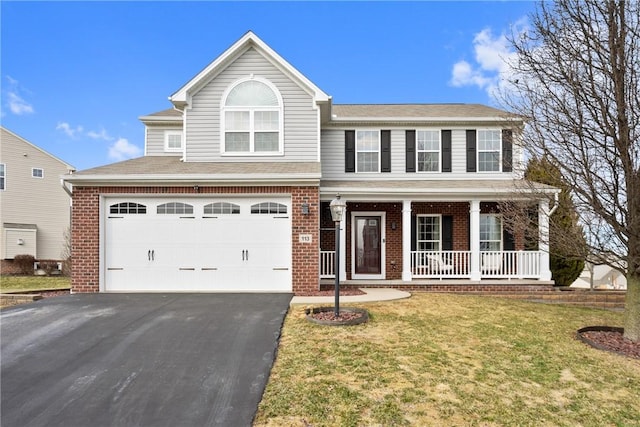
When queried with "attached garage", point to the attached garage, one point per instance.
{"points": [[201, 244]]}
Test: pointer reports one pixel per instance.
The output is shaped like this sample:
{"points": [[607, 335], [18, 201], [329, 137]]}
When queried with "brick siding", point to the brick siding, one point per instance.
{"points": [[85, 229]]}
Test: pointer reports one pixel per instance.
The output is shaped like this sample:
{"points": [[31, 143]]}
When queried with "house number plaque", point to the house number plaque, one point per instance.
{"points": [[305, 238]]}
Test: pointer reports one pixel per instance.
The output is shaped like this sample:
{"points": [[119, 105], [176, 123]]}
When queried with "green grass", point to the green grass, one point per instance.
{"points": [[17, 284], [437, 359]]}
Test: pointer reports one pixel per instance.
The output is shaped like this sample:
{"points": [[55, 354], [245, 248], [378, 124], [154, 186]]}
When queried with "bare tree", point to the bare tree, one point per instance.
{"points": [[576, 80]]}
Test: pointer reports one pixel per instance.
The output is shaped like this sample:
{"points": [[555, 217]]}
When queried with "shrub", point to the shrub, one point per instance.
{"points": [[48, 266], [24, 263]]}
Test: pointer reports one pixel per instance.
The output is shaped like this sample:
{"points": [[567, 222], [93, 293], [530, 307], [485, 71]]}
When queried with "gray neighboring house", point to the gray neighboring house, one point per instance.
{"points": [[34, 208]]}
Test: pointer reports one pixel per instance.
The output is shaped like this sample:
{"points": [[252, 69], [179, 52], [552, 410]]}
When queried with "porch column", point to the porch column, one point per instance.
{"points": [[474, 238], [406, 241], [343, 246], [543, 239]]}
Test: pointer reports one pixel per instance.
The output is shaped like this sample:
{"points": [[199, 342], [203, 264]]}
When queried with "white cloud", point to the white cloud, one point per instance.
{"points": [[123, 149], [100, 135], [16, 103], [492, 54], [69, 130]]}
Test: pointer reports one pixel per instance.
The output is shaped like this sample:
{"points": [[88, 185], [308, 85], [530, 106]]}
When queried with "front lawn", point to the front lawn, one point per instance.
{"points": [[17, 284], [438, 359]]}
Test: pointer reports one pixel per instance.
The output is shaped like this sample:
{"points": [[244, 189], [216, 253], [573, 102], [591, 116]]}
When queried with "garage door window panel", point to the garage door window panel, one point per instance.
{"points": [[269, 208], [127, 208], [221, 208], [175, 208]]}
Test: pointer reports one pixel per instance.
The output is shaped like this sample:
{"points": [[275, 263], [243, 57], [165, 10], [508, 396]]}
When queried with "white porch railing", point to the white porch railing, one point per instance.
{"points": [[327, 264], [440, 264], [457, 264], [510, 264]]}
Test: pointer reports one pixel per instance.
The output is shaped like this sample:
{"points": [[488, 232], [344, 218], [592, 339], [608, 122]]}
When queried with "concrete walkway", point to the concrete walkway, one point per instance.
{"points": [[371, 295]]}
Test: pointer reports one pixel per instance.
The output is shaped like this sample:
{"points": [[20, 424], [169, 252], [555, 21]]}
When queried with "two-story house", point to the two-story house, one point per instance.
{"points": [[233, 191], [34, 209]]}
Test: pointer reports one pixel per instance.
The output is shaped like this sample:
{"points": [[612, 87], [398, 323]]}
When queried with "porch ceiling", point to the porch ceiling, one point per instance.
{"points": [[453, 190]]}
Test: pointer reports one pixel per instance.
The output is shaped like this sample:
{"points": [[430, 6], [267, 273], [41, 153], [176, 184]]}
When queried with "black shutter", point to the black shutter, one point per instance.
{"points": [[508, 242], [410, 151], [471, 151], [385, 150], [447, 233], [446, 151], [507, 150], [349, 150], [414, 228]]}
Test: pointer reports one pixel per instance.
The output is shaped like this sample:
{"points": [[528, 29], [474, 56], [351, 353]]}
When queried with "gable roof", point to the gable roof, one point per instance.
{"points": [[182, 96], [18, 137]]}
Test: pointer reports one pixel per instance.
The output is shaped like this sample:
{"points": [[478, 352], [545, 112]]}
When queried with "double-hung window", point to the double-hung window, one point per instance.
{"points": [[489, 149], [252, 119], [367, 151], [3, 176], [490, 232], [429, 235], [173, 140], [428, 150]]}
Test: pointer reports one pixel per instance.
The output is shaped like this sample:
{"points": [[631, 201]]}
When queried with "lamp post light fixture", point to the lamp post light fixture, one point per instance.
{"points": [[338, 207]]}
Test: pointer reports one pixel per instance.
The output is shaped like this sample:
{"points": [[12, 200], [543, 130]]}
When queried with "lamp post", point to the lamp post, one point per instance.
{"points": [[338, 208]]}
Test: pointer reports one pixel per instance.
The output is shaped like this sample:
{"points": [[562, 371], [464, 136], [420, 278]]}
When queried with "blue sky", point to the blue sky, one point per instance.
{"points": [[75, 76]]}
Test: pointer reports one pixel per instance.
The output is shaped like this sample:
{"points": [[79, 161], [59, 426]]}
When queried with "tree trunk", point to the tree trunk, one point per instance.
{"points": [[632, 308]]}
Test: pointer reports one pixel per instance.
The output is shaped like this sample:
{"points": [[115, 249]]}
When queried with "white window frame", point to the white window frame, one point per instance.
{"points": [[418, 240], [499, 150], [33, 173], [439, 151], [252, 110], [499, 240], [379, 150], [3, 177], [170, 133]]}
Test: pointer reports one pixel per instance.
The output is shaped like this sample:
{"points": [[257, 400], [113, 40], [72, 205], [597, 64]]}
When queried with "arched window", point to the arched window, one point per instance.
{"points": [[252, 118], [175, 208], [268, 208], [221, 208], [127, 208]]}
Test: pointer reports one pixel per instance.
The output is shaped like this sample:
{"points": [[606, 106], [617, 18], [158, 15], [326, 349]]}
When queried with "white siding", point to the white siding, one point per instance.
{"points": [[155, 140], [27, 200], [332, 158], [300, 118]]}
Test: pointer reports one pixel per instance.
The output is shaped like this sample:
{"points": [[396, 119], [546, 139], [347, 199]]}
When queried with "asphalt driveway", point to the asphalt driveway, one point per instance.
{"points": [[138, 360]]}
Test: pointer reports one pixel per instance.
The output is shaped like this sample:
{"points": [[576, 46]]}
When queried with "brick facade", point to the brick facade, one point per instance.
{"points": [[85, 229]]}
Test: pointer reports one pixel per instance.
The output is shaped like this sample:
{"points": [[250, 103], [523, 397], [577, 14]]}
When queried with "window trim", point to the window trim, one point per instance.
{"points": [[499, 150], [33, 171], [167, 134], [379, 151], [251, 109], [418, 240], [3, 177], [439, 151], [500, 232]]}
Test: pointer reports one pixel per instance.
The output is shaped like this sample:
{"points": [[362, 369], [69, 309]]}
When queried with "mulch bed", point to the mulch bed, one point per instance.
{"points": [[610, 339], [342, 316]]}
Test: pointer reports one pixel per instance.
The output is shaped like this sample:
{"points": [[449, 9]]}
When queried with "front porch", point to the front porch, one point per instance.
{"points": [[432, 243], [457, 264]]}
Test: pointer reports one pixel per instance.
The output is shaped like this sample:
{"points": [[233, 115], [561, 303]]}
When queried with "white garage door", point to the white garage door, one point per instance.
{"points": [[206, 245]]}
